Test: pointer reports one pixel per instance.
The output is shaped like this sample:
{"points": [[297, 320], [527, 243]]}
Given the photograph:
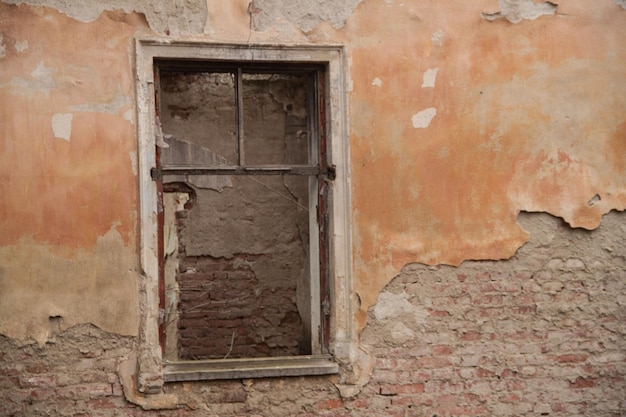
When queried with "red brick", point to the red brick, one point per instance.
{"points": [[583, 382], [470, 336], [571, 358], [401, 389], [330, 404], [442, 350]]}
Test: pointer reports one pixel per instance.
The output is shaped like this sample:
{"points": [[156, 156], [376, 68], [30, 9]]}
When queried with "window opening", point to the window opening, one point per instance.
{"points": [[180, 164], [241, 173]]}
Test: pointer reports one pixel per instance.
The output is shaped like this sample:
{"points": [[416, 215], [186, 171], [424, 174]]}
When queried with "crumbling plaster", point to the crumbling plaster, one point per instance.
{"points": [[527, 116], [175, 17]]}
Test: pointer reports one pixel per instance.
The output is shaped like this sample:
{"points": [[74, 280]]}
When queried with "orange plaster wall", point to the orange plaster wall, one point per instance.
{"points": [[529, 116], [69, 202], [66, 192]]}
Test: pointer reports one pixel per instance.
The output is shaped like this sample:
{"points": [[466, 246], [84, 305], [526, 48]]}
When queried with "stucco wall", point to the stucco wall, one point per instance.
{"points": [[461, 115]]}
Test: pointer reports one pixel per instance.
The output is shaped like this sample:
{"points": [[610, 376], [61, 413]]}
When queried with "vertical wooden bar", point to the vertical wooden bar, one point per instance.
{"points": [[241, 160]]}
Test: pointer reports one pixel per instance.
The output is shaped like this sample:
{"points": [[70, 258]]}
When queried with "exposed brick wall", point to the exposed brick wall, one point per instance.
{"points": [[541, 334], [241, 304], [75, 374], [222, 303]]}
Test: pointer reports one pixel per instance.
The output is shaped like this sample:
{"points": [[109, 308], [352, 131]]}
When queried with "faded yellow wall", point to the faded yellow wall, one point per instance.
{"points": [[457, 124]]}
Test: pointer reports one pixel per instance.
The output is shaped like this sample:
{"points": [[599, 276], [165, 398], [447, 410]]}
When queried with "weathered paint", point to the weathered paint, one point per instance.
{"points": [[41, 282], [529, 117], [422, 119], [67, 234], [430, 77]]}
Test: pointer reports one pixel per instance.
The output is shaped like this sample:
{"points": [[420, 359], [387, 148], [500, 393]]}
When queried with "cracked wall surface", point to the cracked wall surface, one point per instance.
{"points": [[456, 125]]}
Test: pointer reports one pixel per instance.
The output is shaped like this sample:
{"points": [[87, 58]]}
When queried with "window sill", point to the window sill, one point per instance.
{"points": [[249, 368]]}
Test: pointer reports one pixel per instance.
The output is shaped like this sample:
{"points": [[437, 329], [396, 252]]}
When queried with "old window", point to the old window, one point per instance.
{"points": [[249, 251]]}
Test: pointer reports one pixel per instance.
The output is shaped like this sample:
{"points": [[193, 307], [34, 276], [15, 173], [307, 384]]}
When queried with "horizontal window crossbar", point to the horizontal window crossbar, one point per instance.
{"points": [[249, 368], [158, 173]]}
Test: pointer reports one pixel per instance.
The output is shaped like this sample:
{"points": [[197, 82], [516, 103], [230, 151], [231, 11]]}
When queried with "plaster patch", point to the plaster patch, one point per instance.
{"points": [[128, 115], [114, 106], [43, 74], [305, 14], [3, 48], [377, 82], [422, 119], [21, 46], [517, 10], [133, 161], [400, 333], [62, 126], [391, 305], [430, 76], [437, 37], [164, 17]]}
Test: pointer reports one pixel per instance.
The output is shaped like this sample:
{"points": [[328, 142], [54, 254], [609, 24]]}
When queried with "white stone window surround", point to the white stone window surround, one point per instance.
{"points": [[152, 372]]}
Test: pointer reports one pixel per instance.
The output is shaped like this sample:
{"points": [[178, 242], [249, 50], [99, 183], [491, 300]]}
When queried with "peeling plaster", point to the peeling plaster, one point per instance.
{"points": [[167, 17], [3, 47], [41, 80], [39, 281], [69, 195], [517, 10], [21, 46], [519, 120], [305, 14], [62, 126], [133, 160], [437, 37], [377, 82], [511, 102], [430, 76], [227, 18], [114, 106], [43, 75], [422, 119], [621, 3]]}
